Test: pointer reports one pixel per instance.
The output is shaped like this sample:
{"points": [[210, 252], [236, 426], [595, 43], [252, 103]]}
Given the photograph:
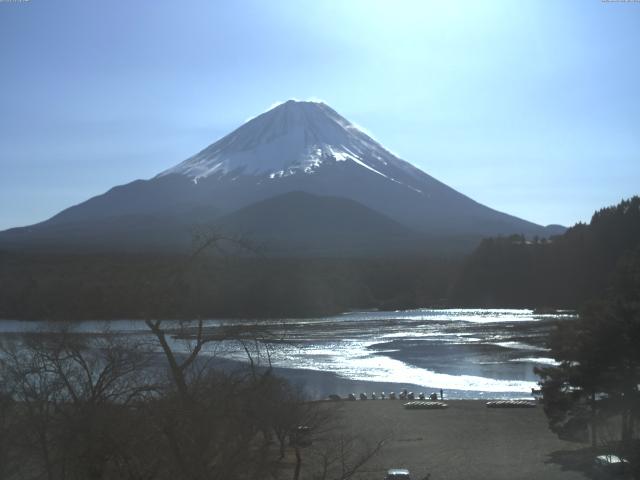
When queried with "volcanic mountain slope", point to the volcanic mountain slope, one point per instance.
{"points": [[295, 147], [302, 224]]}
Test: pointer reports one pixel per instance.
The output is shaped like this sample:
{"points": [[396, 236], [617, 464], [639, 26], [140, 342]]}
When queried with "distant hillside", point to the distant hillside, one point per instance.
{"points": [[501, 272], [301, 224], [563, 272]]}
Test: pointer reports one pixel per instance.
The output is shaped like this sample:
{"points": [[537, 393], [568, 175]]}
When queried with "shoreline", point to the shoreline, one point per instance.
{"points": [[477, 355], [320, 384]]}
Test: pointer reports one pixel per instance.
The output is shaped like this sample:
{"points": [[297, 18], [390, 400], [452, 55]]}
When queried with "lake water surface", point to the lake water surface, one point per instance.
{"points": [[468, 353]]}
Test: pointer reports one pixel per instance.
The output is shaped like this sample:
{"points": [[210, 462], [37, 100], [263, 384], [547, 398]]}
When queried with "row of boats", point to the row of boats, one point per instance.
{"points": [[404, 395]]}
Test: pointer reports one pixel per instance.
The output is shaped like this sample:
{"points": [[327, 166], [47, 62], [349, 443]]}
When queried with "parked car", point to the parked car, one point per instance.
{"points": [[398, 474], [610, 465]]}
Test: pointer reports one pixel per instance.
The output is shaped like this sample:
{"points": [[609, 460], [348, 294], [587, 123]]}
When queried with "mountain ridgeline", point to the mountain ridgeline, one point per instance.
{"points": [[359, 199]]}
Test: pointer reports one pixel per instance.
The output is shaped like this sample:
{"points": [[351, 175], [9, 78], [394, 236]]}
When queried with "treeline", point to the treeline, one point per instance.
{"points": [[564, 271], [70, 287], [514, 271], [592, 392]]}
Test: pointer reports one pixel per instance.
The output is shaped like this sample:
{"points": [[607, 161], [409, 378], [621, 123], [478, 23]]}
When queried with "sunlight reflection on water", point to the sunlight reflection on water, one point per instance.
{"points": [[470, 351]]}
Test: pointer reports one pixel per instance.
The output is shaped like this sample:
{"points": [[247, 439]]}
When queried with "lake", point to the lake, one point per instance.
{"points": [[469, 353]]}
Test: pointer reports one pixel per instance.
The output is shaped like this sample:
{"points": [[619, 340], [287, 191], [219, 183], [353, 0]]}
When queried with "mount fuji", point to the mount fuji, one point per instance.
{"points": [[299, 177]]}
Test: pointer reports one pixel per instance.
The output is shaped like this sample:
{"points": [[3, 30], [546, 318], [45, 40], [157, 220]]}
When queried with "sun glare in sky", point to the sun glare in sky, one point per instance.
{"points": [[529, 107]]}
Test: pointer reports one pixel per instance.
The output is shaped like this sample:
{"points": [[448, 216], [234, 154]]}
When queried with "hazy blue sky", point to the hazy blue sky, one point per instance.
{"points": [[532, 108]]}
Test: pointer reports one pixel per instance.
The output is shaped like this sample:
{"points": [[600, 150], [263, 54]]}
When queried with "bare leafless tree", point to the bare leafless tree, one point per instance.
{"points": [[342, 455], [71, 392], [109, 406]]}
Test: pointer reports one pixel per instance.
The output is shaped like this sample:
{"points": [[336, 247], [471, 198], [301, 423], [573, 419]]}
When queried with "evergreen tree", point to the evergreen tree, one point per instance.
{"points": [[599, 355]]}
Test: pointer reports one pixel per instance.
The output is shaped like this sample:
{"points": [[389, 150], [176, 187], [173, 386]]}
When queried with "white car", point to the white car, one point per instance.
{"points": [[398, 474], [611, 464]]}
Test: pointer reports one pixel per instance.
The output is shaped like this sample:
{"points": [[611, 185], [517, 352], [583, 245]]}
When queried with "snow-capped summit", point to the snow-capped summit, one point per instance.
{"points": [[294, 137]]}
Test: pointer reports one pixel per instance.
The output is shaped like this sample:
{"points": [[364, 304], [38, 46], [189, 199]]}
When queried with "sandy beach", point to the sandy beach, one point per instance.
{"points": [[465, 441]]}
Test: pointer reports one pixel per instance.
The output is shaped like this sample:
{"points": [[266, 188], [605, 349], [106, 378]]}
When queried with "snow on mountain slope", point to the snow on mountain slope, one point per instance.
{"points": [[307, 146], [294, 147], [292, 138]]}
